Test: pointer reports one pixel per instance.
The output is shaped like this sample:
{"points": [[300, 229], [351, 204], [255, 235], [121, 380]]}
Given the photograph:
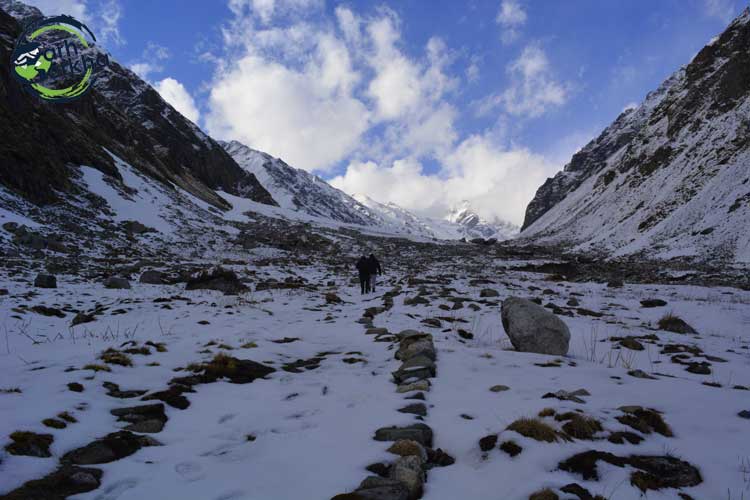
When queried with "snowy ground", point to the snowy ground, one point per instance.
{"points": [[313, 430]]}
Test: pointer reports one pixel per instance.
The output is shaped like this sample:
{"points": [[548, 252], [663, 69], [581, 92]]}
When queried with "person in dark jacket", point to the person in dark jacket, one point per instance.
{"points": [[363, 267], [375, 269]]}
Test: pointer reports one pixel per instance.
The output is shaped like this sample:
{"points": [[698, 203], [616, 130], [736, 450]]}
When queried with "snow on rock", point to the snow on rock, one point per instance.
{"points": [[668, 178]]}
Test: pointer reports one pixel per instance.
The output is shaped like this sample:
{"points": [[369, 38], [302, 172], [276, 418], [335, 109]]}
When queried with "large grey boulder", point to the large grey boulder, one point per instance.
{"points": [[45, 281], [117, 283], [532, 328]]}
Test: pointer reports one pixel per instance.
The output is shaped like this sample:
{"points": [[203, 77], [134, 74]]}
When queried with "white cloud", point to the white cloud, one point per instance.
{"points": [[102, 17], [472, 71], [533, 90], [511, 19], [175, 94], [724, 10], [498, 182], [309, 121], [266, 10], [75, 8], [151, 60]]}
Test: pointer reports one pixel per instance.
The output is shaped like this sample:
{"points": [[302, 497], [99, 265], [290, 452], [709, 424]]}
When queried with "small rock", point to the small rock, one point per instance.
{"points": [[511, 448], [45, 281], [488, 442], [415, 409], [108, 449], [744, 414], [153, 277], [75, 387], [499, 388], [116, 283], [421, 385], [417, 432], [653, 303], [407, 447], [30, 444], [632, 344], [378, 488], [408, 470], [640, 374], [489, 292]]}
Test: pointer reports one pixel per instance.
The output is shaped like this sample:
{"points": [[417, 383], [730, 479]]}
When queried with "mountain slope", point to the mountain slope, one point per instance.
{"points": [[297, 189], [669, 178], [121, 114]]}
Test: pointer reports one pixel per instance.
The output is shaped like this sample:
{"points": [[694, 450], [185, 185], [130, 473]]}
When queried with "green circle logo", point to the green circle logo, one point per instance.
{"points": [[52, 59]]}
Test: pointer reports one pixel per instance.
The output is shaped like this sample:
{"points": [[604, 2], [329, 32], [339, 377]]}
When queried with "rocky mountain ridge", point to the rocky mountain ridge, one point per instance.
{"points": [[668, 178]]}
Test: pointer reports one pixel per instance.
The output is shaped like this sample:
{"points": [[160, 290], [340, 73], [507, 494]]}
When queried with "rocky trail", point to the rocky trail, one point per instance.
{"points": [[298, 387]]}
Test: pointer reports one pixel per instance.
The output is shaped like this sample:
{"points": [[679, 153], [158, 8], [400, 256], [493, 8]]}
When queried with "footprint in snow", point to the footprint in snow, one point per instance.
{"points": [[116, 489], [190, 471]]}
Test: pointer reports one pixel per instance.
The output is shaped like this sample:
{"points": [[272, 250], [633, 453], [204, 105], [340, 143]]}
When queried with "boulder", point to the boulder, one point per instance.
{"points": [[408, 470], [45, 281], [108, 449], [420, 433], [152, 277], [379, 488], [116, 283], [532, 329], [219, 278]]}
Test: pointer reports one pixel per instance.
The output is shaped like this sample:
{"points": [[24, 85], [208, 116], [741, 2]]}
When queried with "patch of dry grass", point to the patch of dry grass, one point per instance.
{"points": [[535, 429]]}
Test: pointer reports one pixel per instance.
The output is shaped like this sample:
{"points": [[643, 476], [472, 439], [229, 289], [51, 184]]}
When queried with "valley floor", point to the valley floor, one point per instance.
{"points": [[307, 431]]}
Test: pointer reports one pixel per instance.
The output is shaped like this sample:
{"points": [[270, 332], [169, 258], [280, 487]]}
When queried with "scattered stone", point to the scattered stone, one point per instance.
{"points": [[511, 448], [647, 303], [417, 432], [641, 374], [54, 423], [153, 277], [147, 418], [238, 371], [379, 468], [573, 302], [620, 437], [108, 449], [30, 444], [45, 281], [48, 311], [64, 482], [644, 420], [632, 344], [218, 278], [377, 488], [499, 388], [415, 409], [465, 335], [408, 471], [114, 391], [116, 283], [332, 298], [672, 323], [568, 396], [81, 318], [415, 368], [439, 458], [421, 385], [407, 447], [376, 331], [545, 494], [532, 329], [489, 292], [432, 322], [75, 387], [488, 442], [744, 414]]}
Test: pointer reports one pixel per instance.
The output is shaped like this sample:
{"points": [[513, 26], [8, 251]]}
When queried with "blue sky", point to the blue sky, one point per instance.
{"points": [[419, 102]]}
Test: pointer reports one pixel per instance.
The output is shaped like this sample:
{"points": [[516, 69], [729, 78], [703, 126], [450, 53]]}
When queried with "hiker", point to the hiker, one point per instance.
{"points": [[363, 266], [374, 269]]}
